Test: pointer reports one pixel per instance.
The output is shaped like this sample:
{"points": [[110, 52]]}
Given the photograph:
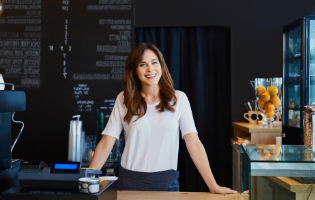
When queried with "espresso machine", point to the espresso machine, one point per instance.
{"points": [[10, 101]]}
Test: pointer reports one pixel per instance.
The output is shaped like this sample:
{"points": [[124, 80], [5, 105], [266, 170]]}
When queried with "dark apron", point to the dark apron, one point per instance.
{"points": [[148, 181]]}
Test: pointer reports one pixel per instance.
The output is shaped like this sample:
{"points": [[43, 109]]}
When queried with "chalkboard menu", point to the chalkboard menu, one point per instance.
{"points": [[68, 56]]}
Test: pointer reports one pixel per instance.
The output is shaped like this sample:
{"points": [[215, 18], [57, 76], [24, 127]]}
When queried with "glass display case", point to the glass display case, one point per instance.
{"points": [[277, 172], [298, 76]]}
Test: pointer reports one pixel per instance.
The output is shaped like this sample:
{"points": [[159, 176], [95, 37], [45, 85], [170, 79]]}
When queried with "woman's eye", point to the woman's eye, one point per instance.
{"points": [[141, 65], [155, 63]]}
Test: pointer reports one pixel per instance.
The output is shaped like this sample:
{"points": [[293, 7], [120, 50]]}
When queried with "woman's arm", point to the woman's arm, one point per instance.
{"points": [[199, 156], [102, 151]]}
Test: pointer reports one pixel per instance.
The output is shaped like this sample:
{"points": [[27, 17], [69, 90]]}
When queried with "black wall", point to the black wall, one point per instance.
{"points": [[256, 29], [75, 49]]}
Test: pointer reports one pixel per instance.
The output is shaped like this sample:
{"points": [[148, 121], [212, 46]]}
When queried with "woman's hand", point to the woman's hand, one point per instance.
{"points": [[222, 190]]}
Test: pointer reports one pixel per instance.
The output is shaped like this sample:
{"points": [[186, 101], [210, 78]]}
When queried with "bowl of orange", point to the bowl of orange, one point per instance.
{"points": [[269, 103]]}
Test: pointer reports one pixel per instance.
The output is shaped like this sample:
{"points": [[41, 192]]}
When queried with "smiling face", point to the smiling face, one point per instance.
{"points": [[149, 69]]}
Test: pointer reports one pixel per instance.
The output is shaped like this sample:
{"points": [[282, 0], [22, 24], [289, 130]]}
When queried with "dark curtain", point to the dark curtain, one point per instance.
{"points": [[199, 61]]}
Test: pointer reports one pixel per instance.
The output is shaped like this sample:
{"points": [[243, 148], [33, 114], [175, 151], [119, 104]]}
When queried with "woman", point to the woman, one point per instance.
{"points": [[151, 113]]}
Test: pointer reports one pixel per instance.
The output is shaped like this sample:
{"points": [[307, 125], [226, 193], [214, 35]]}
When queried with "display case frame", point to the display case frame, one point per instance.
{"points": [[293, 134], [270, 178]]}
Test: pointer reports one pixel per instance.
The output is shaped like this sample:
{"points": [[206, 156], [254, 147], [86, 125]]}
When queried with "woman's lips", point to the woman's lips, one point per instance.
{"points": [[150, 76]]}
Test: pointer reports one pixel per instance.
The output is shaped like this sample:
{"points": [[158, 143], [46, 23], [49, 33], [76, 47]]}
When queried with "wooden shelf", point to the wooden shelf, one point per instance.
{"points": [[254, 128], [292, 185], [302, 190]]}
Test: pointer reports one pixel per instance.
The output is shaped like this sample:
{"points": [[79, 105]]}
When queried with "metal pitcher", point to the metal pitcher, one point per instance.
{"points": [[76, 140]]}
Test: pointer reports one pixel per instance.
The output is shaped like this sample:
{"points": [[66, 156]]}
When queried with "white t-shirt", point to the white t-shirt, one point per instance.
{"points": [[152, 142]]}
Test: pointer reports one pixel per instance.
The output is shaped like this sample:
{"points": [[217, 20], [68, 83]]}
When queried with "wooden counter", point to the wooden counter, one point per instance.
{"points": [[146, 195], [256, 134]]}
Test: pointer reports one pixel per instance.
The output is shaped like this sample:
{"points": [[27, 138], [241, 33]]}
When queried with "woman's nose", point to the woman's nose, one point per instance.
{"points": [[149, 68]]}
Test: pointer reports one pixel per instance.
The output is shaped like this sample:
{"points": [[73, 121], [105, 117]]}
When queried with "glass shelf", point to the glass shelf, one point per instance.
{"points": [[294, 79], [289, 153], [294, 83], [294, 58], [293, 108]]}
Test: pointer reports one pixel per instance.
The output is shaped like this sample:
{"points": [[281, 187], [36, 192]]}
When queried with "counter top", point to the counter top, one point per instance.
{"points": [[145, 195], [21, 194], [254, 128]]}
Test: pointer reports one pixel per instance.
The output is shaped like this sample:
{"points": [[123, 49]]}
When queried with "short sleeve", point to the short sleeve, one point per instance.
{"points": [[114, 125], [186, 120]]}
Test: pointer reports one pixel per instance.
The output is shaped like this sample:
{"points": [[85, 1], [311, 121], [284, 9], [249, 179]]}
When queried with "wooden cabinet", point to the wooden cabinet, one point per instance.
{"points": [[257, 135]]}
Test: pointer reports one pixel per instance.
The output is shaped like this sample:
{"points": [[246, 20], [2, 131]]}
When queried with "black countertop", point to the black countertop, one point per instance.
{"points": [[108, 191]]}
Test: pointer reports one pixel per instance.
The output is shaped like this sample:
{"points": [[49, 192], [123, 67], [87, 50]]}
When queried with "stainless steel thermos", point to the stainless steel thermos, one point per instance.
{"points": [[76, 140]]}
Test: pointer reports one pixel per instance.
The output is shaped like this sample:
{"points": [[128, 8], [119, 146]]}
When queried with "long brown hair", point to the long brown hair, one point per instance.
{"points": [[133, 100]]}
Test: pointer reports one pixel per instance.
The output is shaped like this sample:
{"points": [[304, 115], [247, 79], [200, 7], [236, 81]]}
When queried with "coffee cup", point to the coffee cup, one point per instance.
{"points": [[254, 116]]}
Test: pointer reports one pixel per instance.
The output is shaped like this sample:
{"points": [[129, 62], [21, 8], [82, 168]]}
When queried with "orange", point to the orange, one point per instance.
{"points": [[261, 103], [275, 151], [275, 100], [274, 158], [260, 89], [265, 96], [269, 114], [265, 154], [270, 146], [269, 107], [273, 90], [260, 147]]}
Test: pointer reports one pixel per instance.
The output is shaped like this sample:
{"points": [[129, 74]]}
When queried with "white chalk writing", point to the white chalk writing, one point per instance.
{"points": [[112, 49], [91, 76], [114, 1], [109, 63], [109, 7]]}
